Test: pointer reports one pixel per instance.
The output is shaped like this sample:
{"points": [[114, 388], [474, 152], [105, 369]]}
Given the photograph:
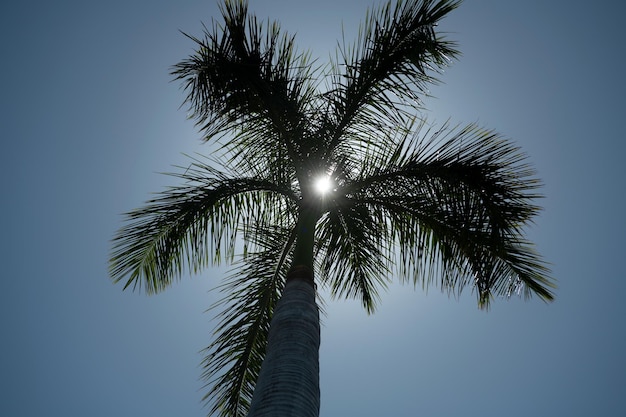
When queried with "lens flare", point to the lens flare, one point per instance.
{"points": [[323, 184]]}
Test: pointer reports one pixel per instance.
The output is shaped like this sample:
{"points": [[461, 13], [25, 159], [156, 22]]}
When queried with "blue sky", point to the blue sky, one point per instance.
{"points": [[90, 116]]}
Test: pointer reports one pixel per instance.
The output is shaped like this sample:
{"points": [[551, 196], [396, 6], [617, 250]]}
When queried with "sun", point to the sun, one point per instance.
{"points": [[323, 184]]}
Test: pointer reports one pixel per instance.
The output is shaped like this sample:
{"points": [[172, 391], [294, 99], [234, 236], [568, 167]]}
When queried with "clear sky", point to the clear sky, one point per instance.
{"points": [[89, 116]]}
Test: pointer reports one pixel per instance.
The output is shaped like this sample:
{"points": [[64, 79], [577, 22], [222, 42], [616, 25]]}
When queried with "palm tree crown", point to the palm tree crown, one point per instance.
{"points": [[444, 206]]}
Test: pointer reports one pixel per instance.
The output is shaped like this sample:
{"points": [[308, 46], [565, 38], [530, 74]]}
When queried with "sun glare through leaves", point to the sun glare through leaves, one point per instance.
{"points": [[323, 184]]}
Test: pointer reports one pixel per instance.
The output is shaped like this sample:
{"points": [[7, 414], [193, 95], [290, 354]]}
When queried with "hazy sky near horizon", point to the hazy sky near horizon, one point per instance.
{"points": [[90, 116]]}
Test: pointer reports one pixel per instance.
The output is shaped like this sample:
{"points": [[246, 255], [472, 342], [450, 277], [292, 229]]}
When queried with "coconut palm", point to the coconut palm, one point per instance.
{"points": [[326, 176]]}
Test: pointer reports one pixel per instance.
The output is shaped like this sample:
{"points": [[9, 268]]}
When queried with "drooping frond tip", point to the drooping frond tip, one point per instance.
{"points": [[250, 295]]}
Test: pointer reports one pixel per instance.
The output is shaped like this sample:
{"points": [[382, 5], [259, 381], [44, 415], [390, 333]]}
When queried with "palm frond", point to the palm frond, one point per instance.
{"points": [[191, 225], [352, 243], [395, 57], [233, 359], [247, 76], [457, 200]]}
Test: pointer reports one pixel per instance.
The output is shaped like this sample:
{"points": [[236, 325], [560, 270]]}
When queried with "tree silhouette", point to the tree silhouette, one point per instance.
{"points": [[326, 176]]}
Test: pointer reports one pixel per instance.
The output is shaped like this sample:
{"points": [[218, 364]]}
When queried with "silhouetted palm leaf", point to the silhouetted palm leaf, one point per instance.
{"points": [[191, 225], [233, 360]]}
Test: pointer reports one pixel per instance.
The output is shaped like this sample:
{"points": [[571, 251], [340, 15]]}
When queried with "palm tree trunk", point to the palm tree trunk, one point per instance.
{"points": [[288, 384]]}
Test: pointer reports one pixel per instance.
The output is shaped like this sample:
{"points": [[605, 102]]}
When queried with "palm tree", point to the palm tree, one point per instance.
{"points": [[326, 172]]}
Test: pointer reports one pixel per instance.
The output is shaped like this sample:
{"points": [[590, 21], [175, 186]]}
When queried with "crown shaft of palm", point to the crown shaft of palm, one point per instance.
{"points": [[446, 206]]}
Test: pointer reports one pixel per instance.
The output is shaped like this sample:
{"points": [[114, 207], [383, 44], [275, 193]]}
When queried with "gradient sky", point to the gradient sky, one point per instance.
{"points": [[90, 116]]}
